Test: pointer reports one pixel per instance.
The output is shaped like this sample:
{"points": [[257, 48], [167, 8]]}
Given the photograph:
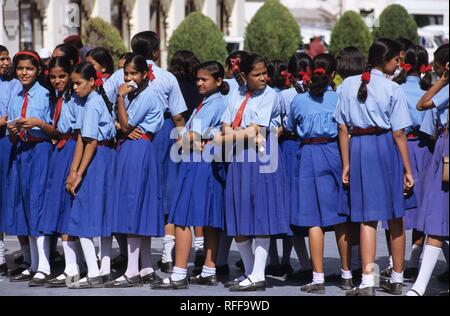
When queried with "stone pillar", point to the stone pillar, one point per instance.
{"points": [[140, 17], [102, 9], [210, 10]]}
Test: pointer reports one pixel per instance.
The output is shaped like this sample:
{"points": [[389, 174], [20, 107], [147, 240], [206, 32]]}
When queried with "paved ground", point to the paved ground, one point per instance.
{"points": [[279, 287]]}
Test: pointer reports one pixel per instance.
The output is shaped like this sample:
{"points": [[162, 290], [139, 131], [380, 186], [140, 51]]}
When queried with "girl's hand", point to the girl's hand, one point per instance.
{"points": [[125, 89], [70, 179], [197, 146], [75, 184], [3, 121], [408, 183], [346, 175], [136, 134], [13, 129], [30, 123]]}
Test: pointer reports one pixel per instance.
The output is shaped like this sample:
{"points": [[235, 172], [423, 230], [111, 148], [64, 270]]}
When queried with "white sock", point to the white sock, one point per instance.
{"points": [[367, 280], [396, 277], [146, 256], [318, 278], [105, 251], [302, 253], [273, 252], [26, 253], [70, 257], [261, 253], [430, 257], [43, 247], [178, 274], [168, 245], [445, 250], [2, 250], [224, 249], [34, 254], [87, 244], [134, 248], [356, 259], [246, 251], [346, 274], [391, 262], [199, 243], [416, 251], [206, 272]]}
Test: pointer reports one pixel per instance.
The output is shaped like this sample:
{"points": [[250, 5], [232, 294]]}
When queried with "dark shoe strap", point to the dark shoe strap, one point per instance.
{"points": [[415, 292]]}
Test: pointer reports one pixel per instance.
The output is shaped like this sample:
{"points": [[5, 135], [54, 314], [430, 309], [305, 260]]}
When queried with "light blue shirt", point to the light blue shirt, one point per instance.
{"points": [[386, 106], [440, 101], [263, 108], [288, 96], [207, 122], [97, 123], [7, 89], [312, 116], [165, 85], [146, 112], [413, 93], [429, 122], [69, 113], [39, 106]]}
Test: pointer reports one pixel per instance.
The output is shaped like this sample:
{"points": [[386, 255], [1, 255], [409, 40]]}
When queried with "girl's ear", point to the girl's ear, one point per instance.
{"points": [[219, 82], [446, 66], [92, 83], [144, 75]]}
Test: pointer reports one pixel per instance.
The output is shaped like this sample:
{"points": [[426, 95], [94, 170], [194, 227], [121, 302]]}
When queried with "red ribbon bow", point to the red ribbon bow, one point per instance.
{"points": [[99, 80], [151, 74], [366, 77], [425, 68], [288, 78], [46, 72], [406, 67], [305, 75], [235, 65], [319, 71]]}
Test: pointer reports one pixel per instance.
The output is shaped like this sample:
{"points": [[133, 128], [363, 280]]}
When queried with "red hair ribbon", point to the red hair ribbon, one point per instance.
{"points": [[406, 67], [366, 77], [425, 68], [235, 65], [151, 75], [46, 73], [288, 78], [99, 80], [305, 75], [319, 71], [35, 56]]}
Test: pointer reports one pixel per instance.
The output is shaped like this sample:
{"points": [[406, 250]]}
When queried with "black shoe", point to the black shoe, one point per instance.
{"points": [[367, 291], [233, 282], [90, 283], [36, 282], [150, 278], [314, 288], [166, 267], [22, 277], [223, 270], [172, 285], [240, 264], [18, 259], [386, 273], [119, 262], [411, 273], [68, 281], [107, 278], [210, 280], [443, 277], [286, 269], [392, 288], [443, 293], [273, 270], [253, 286], [3, 269], [304, 275], [346, 284], [18, 270], [135, 281]]}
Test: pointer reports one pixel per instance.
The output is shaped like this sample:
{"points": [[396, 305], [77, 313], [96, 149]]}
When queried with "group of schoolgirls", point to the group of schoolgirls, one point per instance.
{"points": [[345, 157]]}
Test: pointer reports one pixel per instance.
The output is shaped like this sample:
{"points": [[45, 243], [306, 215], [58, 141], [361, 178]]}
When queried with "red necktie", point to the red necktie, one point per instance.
{"points": [[238, 118], [200, 107], [57, 114], [23, 114]]}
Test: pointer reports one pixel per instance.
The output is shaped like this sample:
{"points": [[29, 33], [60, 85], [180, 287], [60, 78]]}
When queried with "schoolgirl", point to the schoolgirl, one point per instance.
{"points": [[319, 171], [375, 161]]}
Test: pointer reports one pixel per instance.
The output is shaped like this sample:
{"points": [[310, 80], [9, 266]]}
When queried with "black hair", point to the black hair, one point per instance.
{"points": [[248, 62], [217, 71], [380, 53], [146, 44], [183, 65], [103, 57], [66, 65], [404, 43], [350, 62], [3, 49], [299, 62], [416, 56], [9, 74], [236, 54], [140, 64], [274, 70], [70, 52], [36, 63], [88, 72], [441, 55], [320, 81], [126, 55]]}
